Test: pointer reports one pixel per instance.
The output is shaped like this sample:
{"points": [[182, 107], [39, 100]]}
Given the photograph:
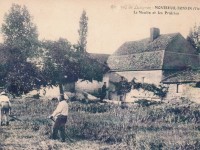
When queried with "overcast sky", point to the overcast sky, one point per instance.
{"points": [[110, 24]]}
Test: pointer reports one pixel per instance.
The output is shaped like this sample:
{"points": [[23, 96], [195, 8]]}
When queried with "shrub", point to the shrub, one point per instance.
{"points": [[160, 91], [90, 106], [146, 103], [36, 96]]}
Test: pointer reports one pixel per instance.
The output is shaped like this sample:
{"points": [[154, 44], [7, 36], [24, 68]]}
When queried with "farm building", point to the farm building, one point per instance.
{"points": [[156, 59]]}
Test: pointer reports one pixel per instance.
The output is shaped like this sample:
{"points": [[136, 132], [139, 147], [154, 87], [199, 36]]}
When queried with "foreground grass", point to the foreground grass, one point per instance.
{"points": [[33, 132], [105, 126]]}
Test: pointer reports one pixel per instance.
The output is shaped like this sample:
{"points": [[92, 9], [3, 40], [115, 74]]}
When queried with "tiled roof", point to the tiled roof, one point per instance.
{"points": [[145, 45], [167, 51], [180, 61], [140, 61]]}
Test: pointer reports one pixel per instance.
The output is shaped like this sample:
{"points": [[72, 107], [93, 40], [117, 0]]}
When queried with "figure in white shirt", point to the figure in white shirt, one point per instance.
{"points": [[5, 106], [60, 114]]}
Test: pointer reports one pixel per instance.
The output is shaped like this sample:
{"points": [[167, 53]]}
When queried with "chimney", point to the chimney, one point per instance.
{"points": [[154, 33]]}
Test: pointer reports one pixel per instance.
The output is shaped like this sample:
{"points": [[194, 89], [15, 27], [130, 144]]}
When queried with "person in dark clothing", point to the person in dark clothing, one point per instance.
{"points": [[60, 114], [103, 92], [123, 88]]}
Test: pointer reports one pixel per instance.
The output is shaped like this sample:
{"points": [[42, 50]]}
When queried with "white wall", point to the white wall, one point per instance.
{"points": [[172, 91], [191, 92], [153, 76], [46, 92], [88, 86], [184, 90]]}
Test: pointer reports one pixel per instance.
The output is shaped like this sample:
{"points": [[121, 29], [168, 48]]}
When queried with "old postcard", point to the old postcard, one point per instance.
{"points": [[99, 74]]}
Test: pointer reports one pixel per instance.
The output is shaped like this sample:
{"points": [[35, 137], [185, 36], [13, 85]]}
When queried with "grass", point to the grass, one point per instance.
{"points": [[105, 126]]}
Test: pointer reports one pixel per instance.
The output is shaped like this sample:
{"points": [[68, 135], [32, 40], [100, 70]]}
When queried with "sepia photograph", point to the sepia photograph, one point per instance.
{"points": [[99, 75]]}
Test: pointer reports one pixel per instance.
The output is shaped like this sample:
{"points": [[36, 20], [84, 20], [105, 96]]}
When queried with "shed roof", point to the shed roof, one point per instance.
{"points": [[187, 76]]}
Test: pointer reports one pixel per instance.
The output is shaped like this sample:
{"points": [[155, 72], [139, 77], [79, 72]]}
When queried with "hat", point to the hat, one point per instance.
{"points": [[3, 93]]}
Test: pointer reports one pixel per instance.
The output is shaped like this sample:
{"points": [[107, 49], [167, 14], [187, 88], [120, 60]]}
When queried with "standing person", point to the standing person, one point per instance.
{"points": [[103, 91], [5, 106], [123, 88], [60, 114]]}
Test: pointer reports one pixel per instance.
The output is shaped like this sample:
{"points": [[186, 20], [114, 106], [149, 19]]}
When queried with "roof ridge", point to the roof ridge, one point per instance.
{"points": [[137, 53], [176, 33], [142, 45]]}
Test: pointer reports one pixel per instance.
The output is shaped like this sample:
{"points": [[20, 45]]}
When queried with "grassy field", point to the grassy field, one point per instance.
{"points": [[102, 126]]}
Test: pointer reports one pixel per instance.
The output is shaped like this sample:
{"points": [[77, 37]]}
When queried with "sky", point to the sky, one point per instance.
{"points": [[111, 22]]}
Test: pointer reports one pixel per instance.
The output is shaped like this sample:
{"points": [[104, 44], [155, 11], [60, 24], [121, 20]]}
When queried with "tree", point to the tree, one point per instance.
{"points": [[194, 37], [21, 81], [19, 32], [18, 77], [64, 64], [60, 66], [83, 30], [20, 43], [90, 68]]}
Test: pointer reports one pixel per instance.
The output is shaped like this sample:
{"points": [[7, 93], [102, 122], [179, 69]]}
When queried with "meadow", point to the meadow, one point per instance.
{"points": [[105, 126]]}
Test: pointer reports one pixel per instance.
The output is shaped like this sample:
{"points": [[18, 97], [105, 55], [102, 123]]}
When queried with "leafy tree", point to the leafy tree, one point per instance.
{"points": [[3, 58], [91, 69], [19, 31], [21, 43], [60, 66], [16, 76], [83, 30], [21, 81], [194, 37], [64, 64]]}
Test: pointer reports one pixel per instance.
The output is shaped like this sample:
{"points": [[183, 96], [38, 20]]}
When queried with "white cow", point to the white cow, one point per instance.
{"points": [[5, 106]]}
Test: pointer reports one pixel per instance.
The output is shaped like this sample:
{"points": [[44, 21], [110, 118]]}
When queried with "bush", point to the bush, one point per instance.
{"points": [[146, 103], [90, 106], [160, 91], [36, 96]]}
